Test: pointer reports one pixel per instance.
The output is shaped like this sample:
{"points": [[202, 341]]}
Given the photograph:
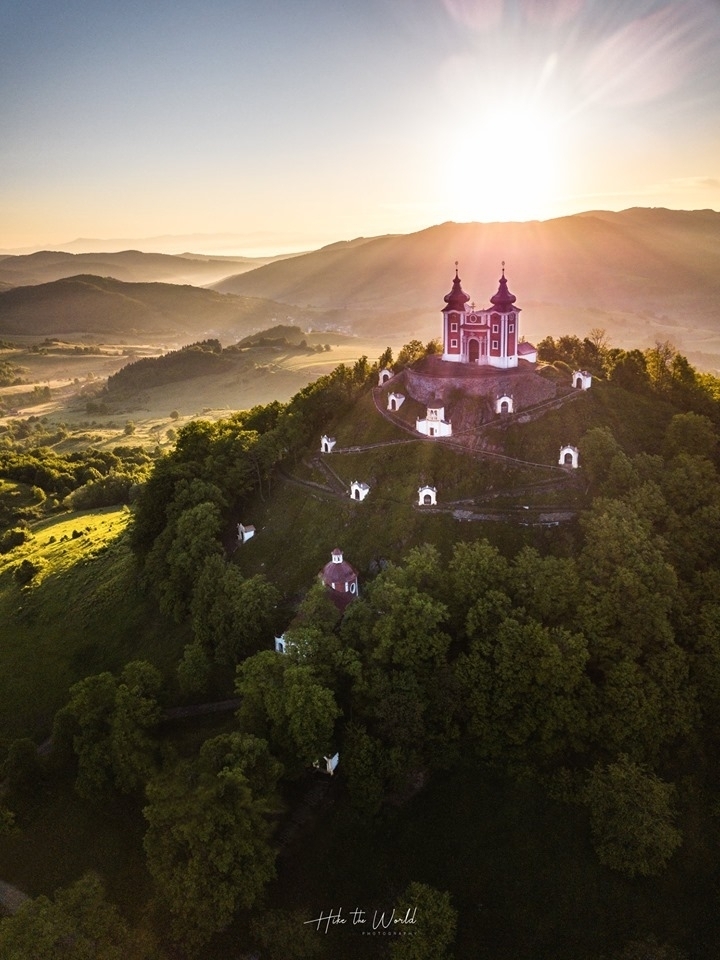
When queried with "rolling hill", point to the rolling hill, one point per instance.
{"points": [[131, 266], [641, 273], [108, 307]]}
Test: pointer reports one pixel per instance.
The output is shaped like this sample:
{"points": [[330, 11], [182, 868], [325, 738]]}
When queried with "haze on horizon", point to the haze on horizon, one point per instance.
{"points": [[260, 127]]}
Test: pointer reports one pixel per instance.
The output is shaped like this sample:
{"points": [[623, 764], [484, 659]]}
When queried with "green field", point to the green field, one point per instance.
{"points": [[84, 612]]}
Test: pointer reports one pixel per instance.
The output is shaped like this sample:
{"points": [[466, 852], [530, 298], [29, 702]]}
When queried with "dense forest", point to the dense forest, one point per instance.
{"points": [[581, 671]]}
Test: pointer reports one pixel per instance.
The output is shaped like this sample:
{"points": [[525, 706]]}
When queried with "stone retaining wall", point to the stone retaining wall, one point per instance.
{"points": [[525, 386]]}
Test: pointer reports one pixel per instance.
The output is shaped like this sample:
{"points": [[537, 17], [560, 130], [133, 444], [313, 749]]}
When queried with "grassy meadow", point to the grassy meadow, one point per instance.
{"points": [[82, 613]]}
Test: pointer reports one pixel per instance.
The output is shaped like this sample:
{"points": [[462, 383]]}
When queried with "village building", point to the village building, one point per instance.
{"points": [[341, 579], [384, 376], [327, 443], [395, 401], [486, 337]]}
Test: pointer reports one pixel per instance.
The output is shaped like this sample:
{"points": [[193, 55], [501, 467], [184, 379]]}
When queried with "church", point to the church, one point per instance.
{"points": [[486, 337]]}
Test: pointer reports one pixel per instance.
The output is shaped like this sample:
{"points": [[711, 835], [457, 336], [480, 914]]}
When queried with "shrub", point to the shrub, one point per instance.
{"points": [[27, 571]]}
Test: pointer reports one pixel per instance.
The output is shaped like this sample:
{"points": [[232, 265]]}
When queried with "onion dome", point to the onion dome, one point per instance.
{"points": [[503, 299], [457, 298], [340, 578]]}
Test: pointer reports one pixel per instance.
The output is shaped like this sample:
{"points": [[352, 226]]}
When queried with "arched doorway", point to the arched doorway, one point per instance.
{"points": [[427, 499], [568, 459], [473, 351], [578, 383], [504, 407]]}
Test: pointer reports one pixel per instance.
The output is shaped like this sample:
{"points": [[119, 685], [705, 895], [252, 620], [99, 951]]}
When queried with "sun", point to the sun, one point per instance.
{"points": [[509, 166]]}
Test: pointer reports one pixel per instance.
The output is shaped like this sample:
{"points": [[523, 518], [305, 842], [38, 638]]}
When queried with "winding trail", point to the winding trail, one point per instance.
{"points": [[469, 443]]}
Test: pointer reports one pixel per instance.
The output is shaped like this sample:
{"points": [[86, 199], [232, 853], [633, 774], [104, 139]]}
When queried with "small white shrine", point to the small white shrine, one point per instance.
{"points": [[569, 457], [327, 443], [245, 533], [434, 424], [384, 376], [358, 490], [427, 496], [281, 644], [395, 401], [581, 380], [328, 764], [504, 404]]}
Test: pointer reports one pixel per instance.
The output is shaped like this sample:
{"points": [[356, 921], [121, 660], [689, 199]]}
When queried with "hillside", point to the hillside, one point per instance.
{"points": [[131, 266], [641, 274], [516, 699], [102, 305]]}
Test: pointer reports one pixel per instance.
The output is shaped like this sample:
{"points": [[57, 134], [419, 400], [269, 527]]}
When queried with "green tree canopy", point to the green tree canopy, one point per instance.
{"points": [[78, 924], [632, 817], [207, 842]]}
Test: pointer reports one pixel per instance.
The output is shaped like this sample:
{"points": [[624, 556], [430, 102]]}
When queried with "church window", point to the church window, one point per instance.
{"points": [[453, 343], [453, 328], [495, 328], [511, 328], [495, 345]]}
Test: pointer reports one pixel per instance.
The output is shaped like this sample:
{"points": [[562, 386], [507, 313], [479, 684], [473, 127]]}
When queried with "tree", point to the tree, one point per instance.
{"points": [[285, 935], [599, 446], [428, 914], [112, 720], [286, 704], [407, 631], [136, 713], [526, 691], [385, 359], [194, 670], [547, 587], [628, 369], [207, 842], [409, 354], [632, 817], [78, 924], [364, 763], [232, 617], [691, 433], [179, 555], [629, 587]]}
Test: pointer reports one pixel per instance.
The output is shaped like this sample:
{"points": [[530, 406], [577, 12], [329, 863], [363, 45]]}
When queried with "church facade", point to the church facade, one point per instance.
{"points": [[486, 337]]}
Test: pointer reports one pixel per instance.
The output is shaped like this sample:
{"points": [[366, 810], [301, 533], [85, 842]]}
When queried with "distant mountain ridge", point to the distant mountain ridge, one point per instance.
{"points": [[655, 249], [642, 274], [108, 307], [132, 266]]}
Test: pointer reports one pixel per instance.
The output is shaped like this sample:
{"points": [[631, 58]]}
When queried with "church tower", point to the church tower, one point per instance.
{"points": [[453, 316]]}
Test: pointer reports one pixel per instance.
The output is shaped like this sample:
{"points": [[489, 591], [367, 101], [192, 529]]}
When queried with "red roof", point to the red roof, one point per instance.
{"points": [[457, 298], [503, 299]]}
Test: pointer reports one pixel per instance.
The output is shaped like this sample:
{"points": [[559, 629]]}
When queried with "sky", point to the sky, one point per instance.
{"points": [[259, 126]]}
